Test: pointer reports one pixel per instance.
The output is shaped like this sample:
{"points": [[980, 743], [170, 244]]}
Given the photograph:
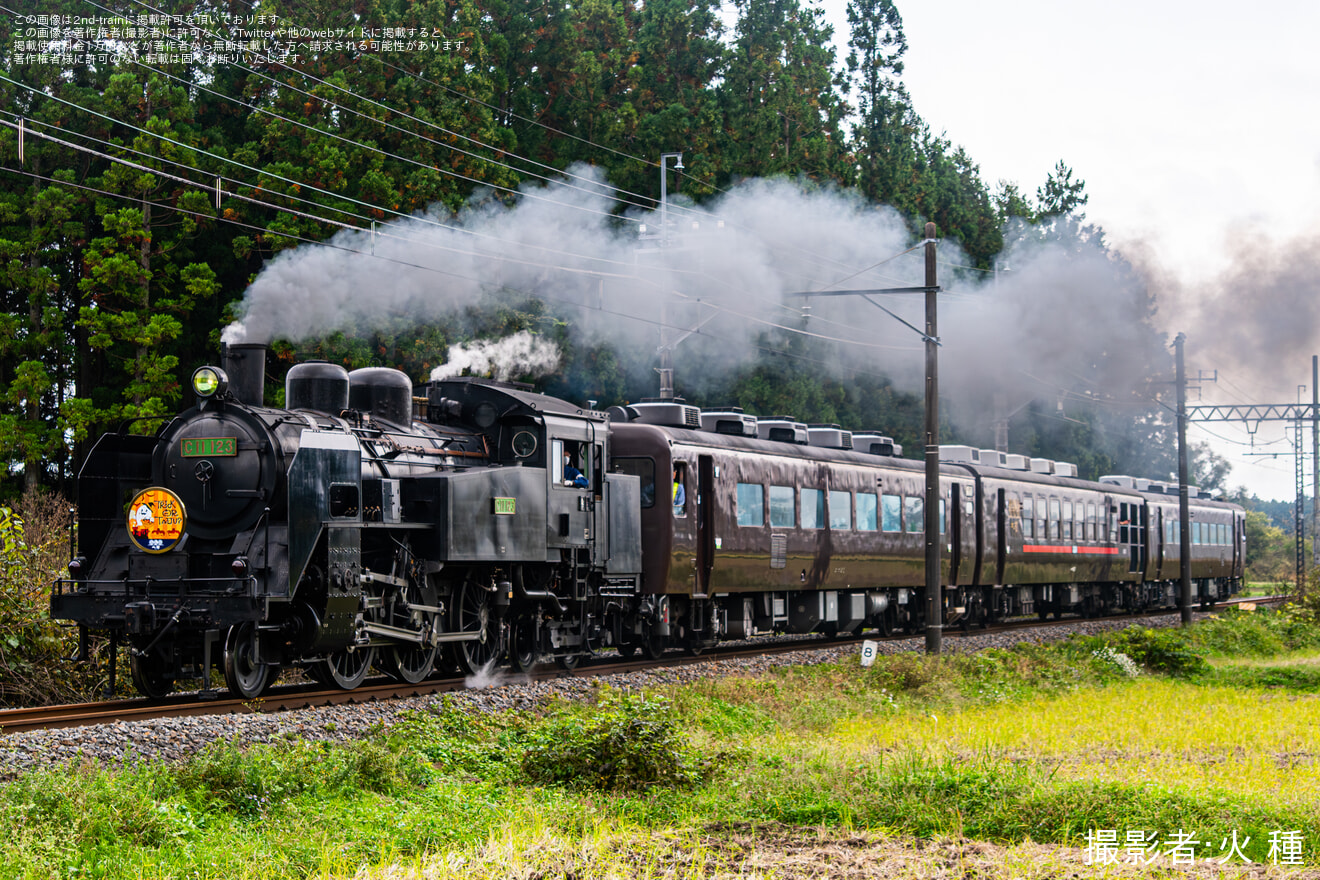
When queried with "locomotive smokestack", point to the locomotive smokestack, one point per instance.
{"points": [[245, 365]]}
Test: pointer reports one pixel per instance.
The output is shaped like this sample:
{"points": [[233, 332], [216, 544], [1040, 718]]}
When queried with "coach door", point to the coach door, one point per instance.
{"points": [[1239, 539], [1161, 537], [1132, 533], [1001, 538], [705, 523], [963, 538]]}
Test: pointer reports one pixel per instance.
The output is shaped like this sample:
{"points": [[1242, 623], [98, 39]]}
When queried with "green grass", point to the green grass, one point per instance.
{"points": [[1038, 743]]}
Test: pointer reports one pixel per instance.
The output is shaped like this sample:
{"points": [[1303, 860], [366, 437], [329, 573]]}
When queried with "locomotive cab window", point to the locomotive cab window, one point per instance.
{"points": [[343, 500], [523, 444], [570, 462]]}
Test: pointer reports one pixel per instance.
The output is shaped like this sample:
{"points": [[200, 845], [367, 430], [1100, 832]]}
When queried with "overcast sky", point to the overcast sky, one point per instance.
{"points": [[1195, 127]]}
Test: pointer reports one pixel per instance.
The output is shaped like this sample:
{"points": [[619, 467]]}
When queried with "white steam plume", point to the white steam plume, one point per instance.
{"points": [[521, 354], [719, 285]]}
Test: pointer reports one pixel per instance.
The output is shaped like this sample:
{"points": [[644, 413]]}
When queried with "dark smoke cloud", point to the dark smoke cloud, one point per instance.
{"points": [[1259, 321]]}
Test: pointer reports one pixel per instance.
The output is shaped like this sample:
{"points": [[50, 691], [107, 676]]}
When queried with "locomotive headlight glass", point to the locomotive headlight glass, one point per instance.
{"points": [[209, 381]]}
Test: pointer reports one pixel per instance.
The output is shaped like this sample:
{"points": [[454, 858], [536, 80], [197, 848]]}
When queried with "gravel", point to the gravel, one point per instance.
{"points": [[173, 739]]}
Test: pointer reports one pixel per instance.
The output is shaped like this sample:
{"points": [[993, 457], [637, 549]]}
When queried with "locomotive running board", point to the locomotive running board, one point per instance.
{"points": [[398, 634]]}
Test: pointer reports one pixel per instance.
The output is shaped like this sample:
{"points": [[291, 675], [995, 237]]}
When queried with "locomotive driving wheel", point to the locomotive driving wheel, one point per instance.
{"points": [[524, 643], [245, 675], [474, 612], [411, 610], [347, 668]]}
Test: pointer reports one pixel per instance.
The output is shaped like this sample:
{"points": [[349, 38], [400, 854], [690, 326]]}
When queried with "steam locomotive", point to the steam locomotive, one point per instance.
{"points": [[363, 527]]}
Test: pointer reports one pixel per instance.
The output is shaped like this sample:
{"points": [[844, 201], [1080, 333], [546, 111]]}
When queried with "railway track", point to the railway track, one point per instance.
{"points": [[295, 696]]}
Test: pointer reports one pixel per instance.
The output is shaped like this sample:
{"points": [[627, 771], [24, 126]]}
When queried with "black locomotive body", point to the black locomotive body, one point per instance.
{"points": [[339, 533], [360, 526]]}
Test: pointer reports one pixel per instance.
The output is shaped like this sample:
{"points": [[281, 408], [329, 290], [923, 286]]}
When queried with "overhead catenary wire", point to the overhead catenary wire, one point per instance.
{"points": [[393, 110], [673, 207], [293, 182], [562, 300], [318, 218], [632, 277]]}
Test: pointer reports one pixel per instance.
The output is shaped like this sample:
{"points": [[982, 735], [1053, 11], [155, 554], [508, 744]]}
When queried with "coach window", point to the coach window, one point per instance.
{"points": [[781, 507], [1054, 519], [866, 512], [1028, 514], [891, 513], [1090, 522], [1067, 521], [813, 509], [943, 517], [913, 508], [1040, 519], [644, 470], [840, 511], [751, 504]]}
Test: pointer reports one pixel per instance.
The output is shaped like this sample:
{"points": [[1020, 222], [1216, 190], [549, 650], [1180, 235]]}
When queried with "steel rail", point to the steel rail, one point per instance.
{"points": [[306, 696]]}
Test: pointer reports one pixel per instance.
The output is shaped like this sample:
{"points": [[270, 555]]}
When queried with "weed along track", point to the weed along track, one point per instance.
{"points": [[290, 698], [374, 700], [1017, 753]]}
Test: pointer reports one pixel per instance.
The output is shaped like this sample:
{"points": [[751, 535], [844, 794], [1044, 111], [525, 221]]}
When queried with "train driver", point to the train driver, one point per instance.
{"points": [[573, 476]]}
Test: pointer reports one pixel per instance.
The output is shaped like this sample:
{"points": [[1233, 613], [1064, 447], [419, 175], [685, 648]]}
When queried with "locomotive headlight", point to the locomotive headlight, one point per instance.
{"points": [[209, 381], [239, 567]]}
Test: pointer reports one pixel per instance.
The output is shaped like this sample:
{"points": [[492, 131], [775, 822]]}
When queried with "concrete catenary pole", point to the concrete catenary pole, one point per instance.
{"points": [[1184, 517], [934, 597]]}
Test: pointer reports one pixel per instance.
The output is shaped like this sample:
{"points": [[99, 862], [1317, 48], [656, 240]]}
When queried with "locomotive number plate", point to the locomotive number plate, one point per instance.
{"points": [[206, 447], [505, 506]]}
